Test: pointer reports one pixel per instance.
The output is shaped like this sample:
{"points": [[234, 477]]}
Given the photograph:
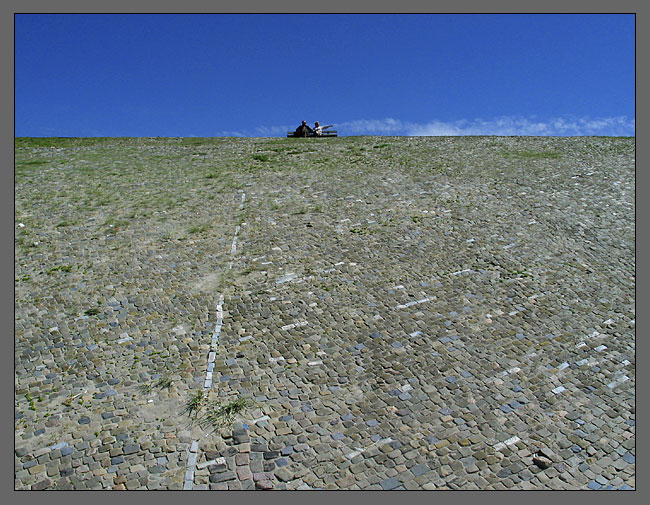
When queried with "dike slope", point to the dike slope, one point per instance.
{"points": [[398, 312]]}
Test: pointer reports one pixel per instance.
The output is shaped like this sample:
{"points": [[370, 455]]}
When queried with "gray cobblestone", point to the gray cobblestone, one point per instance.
{"points": [[470, 356]]}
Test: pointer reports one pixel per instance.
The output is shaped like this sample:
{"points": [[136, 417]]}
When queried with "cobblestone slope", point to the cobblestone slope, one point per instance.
{"points": [[400, 313]]}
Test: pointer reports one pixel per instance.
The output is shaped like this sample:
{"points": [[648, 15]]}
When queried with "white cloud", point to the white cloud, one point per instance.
{"points": [[272, 131], [501, 126], [230, 133], [504, 125], [515, 125], [374, 126]]}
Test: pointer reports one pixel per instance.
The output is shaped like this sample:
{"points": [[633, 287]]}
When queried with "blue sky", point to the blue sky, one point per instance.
{"points": [[211, 75]]}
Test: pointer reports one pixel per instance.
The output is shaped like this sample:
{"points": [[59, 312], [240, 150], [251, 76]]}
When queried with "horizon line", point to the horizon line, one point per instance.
{"points": [[276, 137], [502, 126]]}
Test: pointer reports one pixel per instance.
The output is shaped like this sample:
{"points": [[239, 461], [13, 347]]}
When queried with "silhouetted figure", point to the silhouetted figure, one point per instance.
{"points": [[303, 130]]}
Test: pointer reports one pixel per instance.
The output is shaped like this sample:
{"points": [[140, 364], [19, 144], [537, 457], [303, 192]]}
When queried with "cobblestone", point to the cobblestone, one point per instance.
{"points": [[433, 326]]}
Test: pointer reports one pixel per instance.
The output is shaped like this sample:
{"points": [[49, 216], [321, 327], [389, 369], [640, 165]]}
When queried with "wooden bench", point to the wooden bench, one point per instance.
{"points": [[326, 133]]}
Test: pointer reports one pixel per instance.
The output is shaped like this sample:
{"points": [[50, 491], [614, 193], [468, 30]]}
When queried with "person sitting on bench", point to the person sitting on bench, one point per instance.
{"points": [[318, 129], [303, 130]]}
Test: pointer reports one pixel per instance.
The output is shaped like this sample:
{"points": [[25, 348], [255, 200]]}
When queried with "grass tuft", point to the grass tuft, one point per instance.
{"points": [[194, 404], [534, 155], [200, 228], [145, 388], [223, 415], [164, 383]]}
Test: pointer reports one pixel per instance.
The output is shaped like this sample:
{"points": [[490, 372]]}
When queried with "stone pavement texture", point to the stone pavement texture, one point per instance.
{"points": [[400, 313]]}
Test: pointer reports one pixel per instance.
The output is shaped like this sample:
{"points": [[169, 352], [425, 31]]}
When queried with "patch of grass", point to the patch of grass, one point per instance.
{"points": [[32, 162], [261, 157], [361, 231], [226, 279], [164, 383], [194, 141], [194, 404], [91, 312], [60, 268], [281, 149], [61, 141], [518, 273], [145, 388], [534, 155], [223, 415], [114, 225], [29, 398], [201, 228]]}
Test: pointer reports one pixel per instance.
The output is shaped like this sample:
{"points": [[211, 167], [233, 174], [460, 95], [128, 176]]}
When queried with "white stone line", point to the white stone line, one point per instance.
{"points": [[213, 345], [416, 302], [44, 450], [359, 450], [125, 338], [233, 248], [188, 482], [505, 443], [620, 380], [286, 278], [294, 325], [205, 464]]}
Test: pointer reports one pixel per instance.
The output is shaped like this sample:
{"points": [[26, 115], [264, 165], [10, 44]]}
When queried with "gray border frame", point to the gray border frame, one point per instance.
{"points": [[291, 6]]}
